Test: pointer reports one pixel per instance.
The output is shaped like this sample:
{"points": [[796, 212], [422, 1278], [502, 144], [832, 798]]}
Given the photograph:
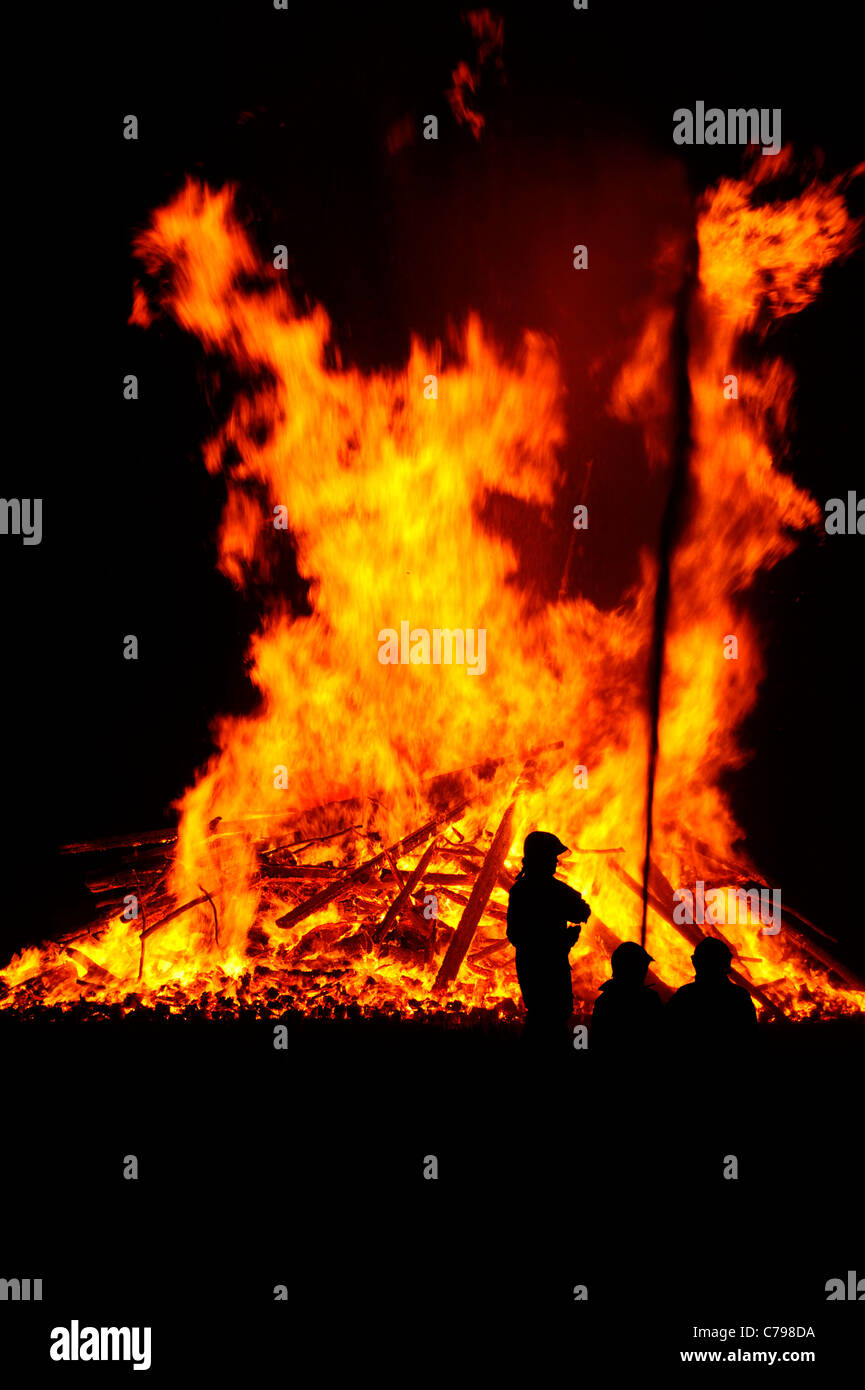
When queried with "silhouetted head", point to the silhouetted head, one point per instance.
{"points": [[630, 962], [712, 959], [541, 851]]}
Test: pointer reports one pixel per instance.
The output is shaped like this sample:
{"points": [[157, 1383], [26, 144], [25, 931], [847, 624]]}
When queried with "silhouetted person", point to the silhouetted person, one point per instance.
{"points": [[711, 1028], [712, 1015], [539, 908], [628, 1015]]}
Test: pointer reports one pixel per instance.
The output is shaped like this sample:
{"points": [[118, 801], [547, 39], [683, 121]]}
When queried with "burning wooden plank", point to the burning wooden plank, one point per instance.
{"points": [[407, 888], [169, 916], [491, 949], [362, 872], [492, 909], [96, 975], [297, 846], [329, 872], [99, 882], [285, 871], [215, 913], [478, 900], [128, 841]]}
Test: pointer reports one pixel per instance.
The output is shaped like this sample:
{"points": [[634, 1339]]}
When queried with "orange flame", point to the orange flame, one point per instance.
{"points": [[384, 483], [488, 30]]}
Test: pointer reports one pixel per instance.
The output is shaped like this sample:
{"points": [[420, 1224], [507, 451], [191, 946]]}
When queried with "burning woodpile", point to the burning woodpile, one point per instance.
{"points": [[413, 927]]}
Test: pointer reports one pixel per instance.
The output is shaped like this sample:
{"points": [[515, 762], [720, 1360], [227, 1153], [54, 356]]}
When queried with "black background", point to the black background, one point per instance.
{"points": [[578, 147], [304, 1167]]}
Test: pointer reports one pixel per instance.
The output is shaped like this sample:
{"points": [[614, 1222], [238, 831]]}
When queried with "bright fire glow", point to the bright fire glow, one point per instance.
{"points": [[384, 491]]}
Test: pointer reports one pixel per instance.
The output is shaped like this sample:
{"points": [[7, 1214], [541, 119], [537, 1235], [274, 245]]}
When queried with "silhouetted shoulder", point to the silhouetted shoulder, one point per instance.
{"points": [[623, 1016], [642, 998], [683, 999], [710, 1008]]}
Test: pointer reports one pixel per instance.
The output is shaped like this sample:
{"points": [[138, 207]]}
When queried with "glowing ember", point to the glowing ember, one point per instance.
{"points": [[383, 488]]}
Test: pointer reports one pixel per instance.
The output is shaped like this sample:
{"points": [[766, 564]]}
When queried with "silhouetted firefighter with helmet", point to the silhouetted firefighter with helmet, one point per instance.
{"points": [[712, 1015], [540, 907], [627, 1015]]}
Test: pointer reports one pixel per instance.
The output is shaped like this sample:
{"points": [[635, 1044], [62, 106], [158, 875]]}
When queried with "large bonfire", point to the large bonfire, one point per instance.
{"points": [[296, 858]]}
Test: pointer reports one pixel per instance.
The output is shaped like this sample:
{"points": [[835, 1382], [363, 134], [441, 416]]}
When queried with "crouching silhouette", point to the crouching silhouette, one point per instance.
{"points": [[627, 1015], [539, 908], [711, 1016]]}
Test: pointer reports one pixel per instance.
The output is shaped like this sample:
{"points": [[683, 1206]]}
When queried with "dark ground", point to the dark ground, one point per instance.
{"points": [[304, 1167]]}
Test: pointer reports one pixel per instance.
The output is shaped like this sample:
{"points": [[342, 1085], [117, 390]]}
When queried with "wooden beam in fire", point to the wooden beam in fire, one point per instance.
{"points": [[491, 909], [492, 948], [363, 871], [184, 907], [403, 897], [328, 872], [480, 894]]}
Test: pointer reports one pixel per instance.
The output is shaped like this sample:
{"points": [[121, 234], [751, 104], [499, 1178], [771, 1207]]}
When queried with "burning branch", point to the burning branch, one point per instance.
{"points": [[486, 881], [360, 874], [406, 890]]}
